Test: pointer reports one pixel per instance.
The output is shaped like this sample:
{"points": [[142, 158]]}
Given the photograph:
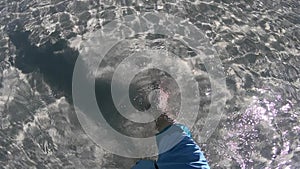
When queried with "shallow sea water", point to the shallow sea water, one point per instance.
{"points": [[258, 44]]}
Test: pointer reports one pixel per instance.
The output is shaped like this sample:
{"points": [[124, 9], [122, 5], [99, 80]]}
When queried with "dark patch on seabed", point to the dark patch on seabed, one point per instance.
{"points": [[55, 61]]}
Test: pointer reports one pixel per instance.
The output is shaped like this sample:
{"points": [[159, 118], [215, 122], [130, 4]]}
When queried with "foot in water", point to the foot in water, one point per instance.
{"points": [[177, 150]]}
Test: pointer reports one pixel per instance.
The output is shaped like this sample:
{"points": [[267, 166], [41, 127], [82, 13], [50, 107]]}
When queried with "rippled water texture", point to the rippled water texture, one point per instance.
{"points": [[258, 43]]}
